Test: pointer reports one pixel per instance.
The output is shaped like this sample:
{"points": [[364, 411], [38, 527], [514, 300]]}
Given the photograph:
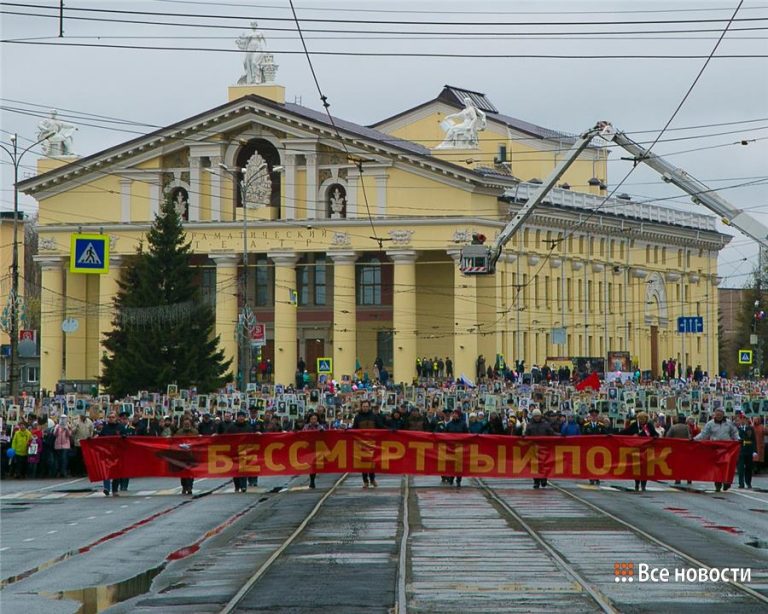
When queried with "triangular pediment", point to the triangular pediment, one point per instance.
{"points": [[222, 124]]}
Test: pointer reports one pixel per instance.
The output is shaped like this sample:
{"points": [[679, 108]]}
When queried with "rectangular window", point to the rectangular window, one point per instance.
{"points": [[621, 298], [569, 292], [589, 296], [546, 292], [610, 297], [262, 283], [580, 296], [600, 297], [502, 153], [536, 290], [208, 284], [302, 283], [369, 283], [33, 374], [525, 289], [320, 281]]}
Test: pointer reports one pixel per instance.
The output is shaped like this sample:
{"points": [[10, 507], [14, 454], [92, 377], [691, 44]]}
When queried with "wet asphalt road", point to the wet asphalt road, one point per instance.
{"points": [[153, 550]]}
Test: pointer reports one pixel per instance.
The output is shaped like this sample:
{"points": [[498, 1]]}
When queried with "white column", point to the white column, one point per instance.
{"points": [[226, 305], [311, 180], [125, 200], [289, 183], [195, 189], [51, 335], [215, 180], [344, 313], [404, 315], [286, 356], [465, 350]]}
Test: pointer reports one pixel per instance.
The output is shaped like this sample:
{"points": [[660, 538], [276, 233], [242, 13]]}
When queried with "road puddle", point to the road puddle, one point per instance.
{"points": [[95, 599]]}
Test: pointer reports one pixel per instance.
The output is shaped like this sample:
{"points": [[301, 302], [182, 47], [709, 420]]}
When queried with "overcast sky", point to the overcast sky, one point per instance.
{"points": [[639, 95]]}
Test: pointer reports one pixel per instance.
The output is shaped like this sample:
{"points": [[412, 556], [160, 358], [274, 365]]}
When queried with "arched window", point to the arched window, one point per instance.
{"points": [[369, 282], [336, 201], [271, 156]]}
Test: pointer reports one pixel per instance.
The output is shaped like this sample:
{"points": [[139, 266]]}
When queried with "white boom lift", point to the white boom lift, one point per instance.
{"points": [[478, 259]]}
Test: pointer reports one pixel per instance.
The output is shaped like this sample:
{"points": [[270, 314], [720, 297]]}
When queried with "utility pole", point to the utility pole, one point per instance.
{"points": [[14, 294], [252, 189]]}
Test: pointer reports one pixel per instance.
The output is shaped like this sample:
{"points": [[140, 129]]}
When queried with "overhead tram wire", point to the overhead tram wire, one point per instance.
{"points": [[566, 234], [391, 22], [666, 125], [326, 107], [79, 118], [569, 34], [455, 12], [487, 56]]}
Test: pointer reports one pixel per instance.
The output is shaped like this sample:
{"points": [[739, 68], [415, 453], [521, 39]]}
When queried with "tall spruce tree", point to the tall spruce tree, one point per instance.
{"points": [[163, 330]]}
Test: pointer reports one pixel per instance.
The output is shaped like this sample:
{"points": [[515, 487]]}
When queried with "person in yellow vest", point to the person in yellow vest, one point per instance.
{"points": [[20, 445]]}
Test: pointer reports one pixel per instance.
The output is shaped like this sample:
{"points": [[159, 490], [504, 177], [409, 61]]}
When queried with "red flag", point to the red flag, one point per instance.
{"points": [[591, 381]]}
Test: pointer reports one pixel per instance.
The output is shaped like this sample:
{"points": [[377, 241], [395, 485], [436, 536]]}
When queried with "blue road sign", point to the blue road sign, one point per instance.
{"points": [[89, 254], [325, 365], [690, 324]]}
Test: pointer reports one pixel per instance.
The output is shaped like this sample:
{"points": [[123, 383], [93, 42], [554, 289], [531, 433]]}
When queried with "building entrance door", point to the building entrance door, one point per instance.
{"points": [[313, 349]]}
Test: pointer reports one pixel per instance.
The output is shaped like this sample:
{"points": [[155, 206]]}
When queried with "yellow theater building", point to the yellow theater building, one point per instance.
{"points": [[352, 252]]}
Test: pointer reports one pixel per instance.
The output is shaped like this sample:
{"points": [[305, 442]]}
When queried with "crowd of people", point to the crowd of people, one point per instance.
{"points": [[46, 442]]}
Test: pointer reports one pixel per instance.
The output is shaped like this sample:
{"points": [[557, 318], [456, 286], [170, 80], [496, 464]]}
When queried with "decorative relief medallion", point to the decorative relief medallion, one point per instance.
{"points": [[341, 239], [401, 237]]}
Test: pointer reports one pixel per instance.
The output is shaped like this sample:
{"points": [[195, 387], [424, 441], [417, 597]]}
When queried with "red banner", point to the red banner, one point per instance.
{"points": [[407, 452]]}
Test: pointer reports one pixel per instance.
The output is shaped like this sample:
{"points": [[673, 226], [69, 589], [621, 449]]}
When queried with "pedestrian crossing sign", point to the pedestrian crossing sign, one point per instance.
{"points": [[324, 366], [89, 254], [745, 357]]}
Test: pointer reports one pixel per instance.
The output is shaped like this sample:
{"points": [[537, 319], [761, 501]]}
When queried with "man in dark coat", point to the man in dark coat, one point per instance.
{"points": [[367, 419], [538, 427], [239, 427], [457, 424]]}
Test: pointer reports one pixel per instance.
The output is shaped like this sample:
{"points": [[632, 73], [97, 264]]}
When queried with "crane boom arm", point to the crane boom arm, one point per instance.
{"points": [[525, 211], [700, 193]]}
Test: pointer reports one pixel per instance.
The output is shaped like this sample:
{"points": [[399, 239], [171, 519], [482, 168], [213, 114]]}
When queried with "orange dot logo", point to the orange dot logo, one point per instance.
{"points": [[623, 572]]}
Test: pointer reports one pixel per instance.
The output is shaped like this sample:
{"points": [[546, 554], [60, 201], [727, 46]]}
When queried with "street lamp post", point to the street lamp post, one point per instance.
{"points": [[14, 308], [755, 340]]}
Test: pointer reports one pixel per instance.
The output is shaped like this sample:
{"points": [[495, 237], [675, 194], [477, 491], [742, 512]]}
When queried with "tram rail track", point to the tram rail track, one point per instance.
{"points": [[661, 543], [598, 597], [580, 564], [240, 595]]}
